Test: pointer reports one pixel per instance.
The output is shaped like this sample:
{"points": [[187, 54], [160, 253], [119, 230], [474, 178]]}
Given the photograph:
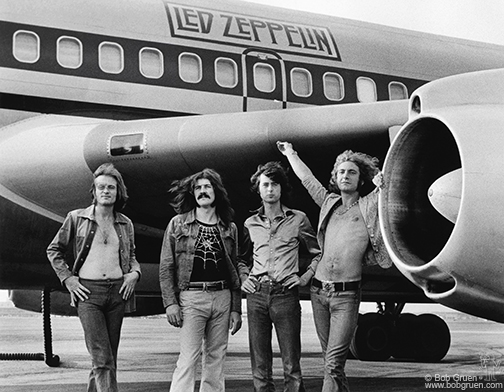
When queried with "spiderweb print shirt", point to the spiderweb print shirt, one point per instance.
{"points": [[209, 264]]}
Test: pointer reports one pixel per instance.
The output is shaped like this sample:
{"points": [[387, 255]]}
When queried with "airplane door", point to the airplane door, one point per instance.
{"points": [[264, 80]]}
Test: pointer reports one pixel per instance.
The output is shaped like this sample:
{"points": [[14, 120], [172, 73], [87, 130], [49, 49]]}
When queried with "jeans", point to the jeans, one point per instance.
{"points": [[101, 317], [277, 306], [205, 329], [336, 315]]}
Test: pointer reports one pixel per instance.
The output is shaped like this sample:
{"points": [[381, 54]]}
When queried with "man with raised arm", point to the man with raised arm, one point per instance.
{"points": [[349, 237]]}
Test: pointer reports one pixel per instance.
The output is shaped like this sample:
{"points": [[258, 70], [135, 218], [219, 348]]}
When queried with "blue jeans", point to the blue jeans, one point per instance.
{"points": [[101, 317], [205, 327], [277, 306], [335, 315]]}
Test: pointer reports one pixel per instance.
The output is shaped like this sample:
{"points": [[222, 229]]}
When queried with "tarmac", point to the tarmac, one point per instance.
{"points": [[149, 350]]}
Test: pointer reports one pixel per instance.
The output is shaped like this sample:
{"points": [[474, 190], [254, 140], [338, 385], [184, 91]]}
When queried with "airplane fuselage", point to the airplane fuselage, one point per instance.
{"points": [[131, 60], [158, 59]]}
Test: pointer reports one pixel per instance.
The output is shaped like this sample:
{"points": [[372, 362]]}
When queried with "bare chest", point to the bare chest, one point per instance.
{"points": [[103, 261], [345, 242]]}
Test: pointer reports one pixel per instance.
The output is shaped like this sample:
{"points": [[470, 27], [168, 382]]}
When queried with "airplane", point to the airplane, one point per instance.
{"points": [[163, 89]]}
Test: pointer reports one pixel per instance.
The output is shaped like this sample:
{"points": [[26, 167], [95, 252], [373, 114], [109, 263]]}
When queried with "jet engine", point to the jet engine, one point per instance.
{"points": [[441, 206]]}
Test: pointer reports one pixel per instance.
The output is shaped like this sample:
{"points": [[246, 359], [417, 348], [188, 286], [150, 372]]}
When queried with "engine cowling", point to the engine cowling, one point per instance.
{"points": [[441, 207]]}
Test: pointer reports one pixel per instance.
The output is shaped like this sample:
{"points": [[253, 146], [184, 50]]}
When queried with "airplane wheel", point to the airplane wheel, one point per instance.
{"points": [[432, 340], [373, 338], [404, 342]]}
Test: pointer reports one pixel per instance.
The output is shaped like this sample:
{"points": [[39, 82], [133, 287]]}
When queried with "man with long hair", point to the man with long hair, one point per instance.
{"points": [[349, 237], [270, 259], [199, 279], [104, 272]]}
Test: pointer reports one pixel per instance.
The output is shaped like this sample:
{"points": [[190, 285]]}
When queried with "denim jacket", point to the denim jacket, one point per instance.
{"points": [[327, 201], [177, 258], [77, 233]]}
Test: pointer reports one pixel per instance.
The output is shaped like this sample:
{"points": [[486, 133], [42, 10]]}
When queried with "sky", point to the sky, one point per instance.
{"points": [[479, 20]]}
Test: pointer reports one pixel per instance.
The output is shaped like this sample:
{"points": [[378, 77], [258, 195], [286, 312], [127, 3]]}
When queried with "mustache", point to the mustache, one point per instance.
{"points": [[202, 195]]}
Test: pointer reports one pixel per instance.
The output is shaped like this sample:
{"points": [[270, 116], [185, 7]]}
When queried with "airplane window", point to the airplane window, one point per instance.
{"points": [[264, 78], [26, 46], [397, 91], [301, 82], [366, 90], [151, 63], [121, 145], [334, 88], [190, 68], [111, 57], [69, 52], [226, 73]]}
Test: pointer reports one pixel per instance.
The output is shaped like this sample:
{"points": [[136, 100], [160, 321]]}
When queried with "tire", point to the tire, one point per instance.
{"points": [[373, 338], [433, 338], [404, 342]]}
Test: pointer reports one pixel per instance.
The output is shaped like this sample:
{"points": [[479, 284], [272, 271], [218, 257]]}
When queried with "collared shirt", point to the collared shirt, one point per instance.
{"points": [[272, 248], [368, 205], [79, 228]]}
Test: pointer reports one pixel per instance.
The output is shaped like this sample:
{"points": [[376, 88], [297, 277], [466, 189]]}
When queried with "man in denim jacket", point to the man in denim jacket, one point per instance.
{"points": [[349, 237], [104, 272], [199, 280]]}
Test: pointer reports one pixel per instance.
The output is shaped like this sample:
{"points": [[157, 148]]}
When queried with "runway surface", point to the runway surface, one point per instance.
{"points": [[149, 349]]}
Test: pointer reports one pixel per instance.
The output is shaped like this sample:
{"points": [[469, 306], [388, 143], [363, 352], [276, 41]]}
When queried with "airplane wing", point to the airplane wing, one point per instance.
{"points": [[47, 162]]}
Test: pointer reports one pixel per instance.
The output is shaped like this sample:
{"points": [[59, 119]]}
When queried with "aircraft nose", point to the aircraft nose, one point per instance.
{"points": [[445, 194]]}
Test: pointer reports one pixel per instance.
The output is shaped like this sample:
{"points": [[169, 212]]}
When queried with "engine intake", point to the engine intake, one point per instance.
{"points": [[440, 209]]}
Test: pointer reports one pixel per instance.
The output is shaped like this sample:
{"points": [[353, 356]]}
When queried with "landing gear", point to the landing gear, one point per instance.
{"points": [[50, 359], [388, 333]]}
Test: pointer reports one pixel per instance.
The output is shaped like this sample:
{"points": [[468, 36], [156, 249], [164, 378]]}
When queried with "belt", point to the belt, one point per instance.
{"points": [[118, 280], [208, 286], [336, 286], [265, 279]]}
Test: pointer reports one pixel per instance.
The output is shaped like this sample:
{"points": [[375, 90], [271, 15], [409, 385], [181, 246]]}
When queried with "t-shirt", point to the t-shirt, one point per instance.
{"points": [[209, 259]]}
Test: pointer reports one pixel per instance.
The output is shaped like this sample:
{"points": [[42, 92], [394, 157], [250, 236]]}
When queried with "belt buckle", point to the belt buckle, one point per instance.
{"points": [[327, 286], [265, 279]]}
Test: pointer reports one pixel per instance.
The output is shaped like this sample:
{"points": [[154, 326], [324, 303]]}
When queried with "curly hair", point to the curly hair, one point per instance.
{"points": [[108, 169], [184, 200], [368, 168], [276, 172]]}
